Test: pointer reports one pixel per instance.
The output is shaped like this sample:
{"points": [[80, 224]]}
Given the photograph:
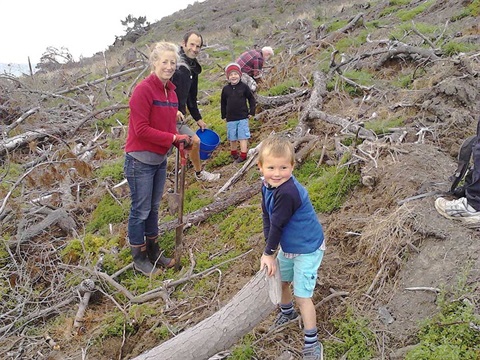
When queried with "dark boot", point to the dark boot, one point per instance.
{"points": [[141, 262], [156, 255]]}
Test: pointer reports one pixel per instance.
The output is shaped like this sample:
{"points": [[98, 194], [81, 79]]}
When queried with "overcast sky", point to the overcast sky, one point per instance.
{"points": [[83, 27]]}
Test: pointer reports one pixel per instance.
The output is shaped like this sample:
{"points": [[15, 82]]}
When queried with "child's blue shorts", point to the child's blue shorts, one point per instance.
{"points": [[301, 270], [238, 130]]}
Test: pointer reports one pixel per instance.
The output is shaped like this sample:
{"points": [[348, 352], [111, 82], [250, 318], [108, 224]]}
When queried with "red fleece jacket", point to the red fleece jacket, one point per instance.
{"points": [[153, 111]]}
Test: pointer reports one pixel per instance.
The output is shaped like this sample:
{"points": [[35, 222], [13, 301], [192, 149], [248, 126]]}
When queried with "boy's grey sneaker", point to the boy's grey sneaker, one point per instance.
{"points": [[314, 352], [457, 210], [283, 319], [206, 176]]}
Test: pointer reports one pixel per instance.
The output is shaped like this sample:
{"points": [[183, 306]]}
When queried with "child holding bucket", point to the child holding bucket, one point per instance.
{"points": [[236, 111]]}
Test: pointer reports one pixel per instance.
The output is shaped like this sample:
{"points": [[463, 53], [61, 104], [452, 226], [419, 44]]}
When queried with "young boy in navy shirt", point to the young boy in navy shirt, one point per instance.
{"points": [[289, 220]]}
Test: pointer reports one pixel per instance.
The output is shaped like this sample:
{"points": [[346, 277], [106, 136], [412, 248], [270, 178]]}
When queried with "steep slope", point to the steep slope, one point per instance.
{"points": [[415, 85]]}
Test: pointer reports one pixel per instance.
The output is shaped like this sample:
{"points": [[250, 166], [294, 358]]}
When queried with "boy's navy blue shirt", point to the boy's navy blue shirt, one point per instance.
{"points": [[289, 219], [233, 103]]}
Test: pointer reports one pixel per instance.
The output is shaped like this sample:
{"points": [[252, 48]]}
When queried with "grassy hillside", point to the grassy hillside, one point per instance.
{"points": [[405, 71]]}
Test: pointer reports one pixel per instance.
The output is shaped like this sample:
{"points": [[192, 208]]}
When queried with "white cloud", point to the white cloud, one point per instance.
{"points": [[84, 28]]}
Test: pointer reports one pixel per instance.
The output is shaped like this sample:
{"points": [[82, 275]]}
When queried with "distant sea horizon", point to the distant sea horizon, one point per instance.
{"points": [[16, 69]]}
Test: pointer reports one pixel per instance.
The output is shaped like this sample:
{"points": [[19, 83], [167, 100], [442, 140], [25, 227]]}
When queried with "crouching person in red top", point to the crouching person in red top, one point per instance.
{"points": [[151, 132]]}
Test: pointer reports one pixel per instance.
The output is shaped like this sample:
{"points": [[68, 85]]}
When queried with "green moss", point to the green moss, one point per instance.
{"points": [[244, 349], [241, 224], [337, 24], [162, 332], [449, 335], [73, 252], [291, 123], [107, 212], [350, 42], [404, 81], [221, 158], [119, 118], [382, 126], [112, 171], [472, 9], [453, 47], [399, 2], [363, 78], [4, 255], [89, 246], [327, 186], [388, 10], [193, 199], [115, 149], [114, 324], [353, 339], [9, 173], [407, 15], [283, 88]]}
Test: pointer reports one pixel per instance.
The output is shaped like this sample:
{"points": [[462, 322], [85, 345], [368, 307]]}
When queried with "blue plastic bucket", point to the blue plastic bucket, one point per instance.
{"points": [[209, 141]]}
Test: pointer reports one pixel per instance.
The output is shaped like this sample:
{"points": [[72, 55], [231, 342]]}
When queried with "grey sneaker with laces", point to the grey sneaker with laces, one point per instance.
{"points": [[458, 210], [283, 319], [206, 176], [314, 352]]}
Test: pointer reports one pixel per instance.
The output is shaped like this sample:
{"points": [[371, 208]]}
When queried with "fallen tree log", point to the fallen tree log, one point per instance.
{"points": [[344, 123], [223, 329], [279, 100], [59, 217], [400, 48]]}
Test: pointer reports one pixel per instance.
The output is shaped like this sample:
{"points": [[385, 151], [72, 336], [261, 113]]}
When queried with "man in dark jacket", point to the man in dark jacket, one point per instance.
{"points": [[186, 82]]}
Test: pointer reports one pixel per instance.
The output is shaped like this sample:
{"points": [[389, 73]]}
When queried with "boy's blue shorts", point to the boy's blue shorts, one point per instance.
{"points": [[301, 270], [238, 130]]}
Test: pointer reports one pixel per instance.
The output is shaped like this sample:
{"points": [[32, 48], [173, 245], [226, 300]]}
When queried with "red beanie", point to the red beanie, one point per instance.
{"points": [[233, 67]]}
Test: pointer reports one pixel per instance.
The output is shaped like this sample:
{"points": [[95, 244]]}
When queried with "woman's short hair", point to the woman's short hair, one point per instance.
{"points": [[157, 49]]}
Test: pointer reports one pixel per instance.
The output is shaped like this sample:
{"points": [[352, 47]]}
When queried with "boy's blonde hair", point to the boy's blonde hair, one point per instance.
{"points": [[276, 146]]}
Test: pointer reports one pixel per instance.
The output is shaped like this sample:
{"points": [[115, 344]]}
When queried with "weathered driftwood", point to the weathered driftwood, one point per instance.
{"points": [[21, 119], [310, 142], [23, 139], [273, 101], [251, 161], [160, 292], [345, 124], [57, 217], [399, 48], [315, 102], [99, 81], [332, 36], [22, 321], [223, 329], [85, 290]]}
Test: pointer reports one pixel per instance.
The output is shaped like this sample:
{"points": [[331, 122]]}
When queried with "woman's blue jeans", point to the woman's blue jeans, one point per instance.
{"points": [[146, 184]]}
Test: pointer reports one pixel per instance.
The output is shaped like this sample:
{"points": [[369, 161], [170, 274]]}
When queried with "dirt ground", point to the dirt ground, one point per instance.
{"points": [[380, 244]]}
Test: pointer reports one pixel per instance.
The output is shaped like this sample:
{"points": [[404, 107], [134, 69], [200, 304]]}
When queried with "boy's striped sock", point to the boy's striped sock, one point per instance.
{"points": [[311, 337], [287, 309]]}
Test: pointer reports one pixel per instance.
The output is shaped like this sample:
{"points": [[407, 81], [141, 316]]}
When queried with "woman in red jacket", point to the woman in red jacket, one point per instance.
{"points": [[151, 133]]}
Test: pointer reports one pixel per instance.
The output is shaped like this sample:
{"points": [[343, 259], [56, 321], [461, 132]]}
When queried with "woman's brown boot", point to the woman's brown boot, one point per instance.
{"points": [[141, 262], [156, 255]]}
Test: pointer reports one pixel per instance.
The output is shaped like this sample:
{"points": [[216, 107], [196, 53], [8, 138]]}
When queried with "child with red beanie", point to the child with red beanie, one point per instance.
{"points": [[237, 106]]}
